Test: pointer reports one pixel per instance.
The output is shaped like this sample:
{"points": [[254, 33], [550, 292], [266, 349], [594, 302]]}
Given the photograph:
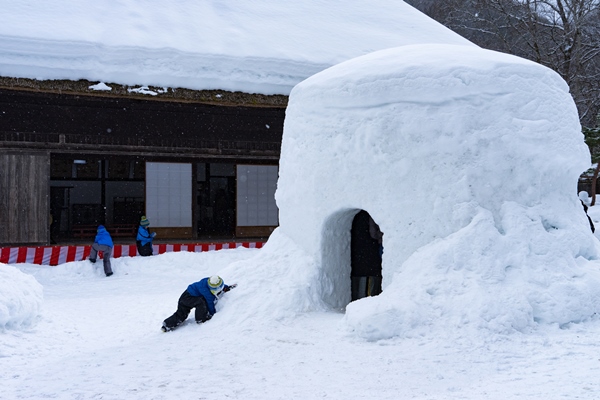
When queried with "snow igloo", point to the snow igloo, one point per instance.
{"points": [[468, 160]]}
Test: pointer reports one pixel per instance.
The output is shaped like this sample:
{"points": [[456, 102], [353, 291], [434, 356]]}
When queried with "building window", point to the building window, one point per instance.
{"points": [[61, 168], [169, 194], [88, 168], [118, 169], [256, 186]]}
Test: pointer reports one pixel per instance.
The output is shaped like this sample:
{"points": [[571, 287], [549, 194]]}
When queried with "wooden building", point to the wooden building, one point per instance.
{"points": [[198, 164]]}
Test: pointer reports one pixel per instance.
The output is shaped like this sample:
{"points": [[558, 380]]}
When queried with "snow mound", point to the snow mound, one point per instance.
{"points": [[273, 285], [468, 159], [20, 299]]}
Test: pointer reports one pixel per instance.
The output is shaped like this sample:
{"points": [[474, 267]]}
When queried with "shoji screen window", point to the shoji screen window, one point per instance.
{"points": [[256, 186], [169, 194]]}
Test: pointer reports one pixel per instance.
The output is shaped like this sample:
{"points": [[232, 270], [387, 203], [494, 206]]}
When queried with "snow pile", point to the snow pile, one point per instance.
{"points": [[256, 47], [280, 282], [100, 87], [468, 160], [20, 299]]}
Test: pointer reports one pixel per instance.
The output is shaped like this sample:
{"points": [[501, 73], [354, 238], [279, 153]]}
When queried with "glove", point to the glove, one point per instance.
{"points": [[229, 287], [153, 234]]}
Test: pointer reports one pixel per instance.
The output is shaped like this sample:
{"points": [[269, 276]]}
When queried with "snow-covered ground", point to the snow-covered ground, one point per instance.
{"points": [[99, 338]]}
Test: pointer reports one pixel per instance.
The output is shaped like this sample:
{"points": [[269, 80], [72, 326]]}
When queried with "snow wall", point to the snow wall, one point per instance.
{"points": [[468, 159]]}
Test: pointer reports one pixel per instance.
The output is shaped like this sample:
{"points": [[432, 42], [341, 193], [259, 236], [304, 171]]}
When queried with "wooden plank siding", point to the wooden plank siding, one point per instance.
{"points": [[24, 198]]}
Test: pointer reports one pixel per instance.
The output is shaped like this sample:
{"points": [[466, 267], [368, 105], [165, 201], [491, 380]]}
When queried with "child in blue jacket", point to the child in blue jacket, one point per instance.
{"points": [[103, 242], [203, 296], [144, 238]]}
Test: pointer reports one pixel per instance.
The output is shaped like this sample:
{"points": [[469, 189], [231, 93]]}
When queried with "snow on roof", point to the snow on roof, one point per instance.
{"points": [[262, 47]]}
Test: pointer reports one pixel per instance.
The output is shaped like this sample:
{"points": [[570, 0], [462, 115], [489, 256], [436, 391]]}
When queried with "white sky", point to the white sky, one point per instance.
{"points": [[467, 159]]}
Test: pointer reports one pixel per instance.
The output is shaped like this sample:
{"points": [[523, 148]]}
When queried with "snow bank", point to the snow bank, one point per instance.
{"points": [[280, 282], [468, 160], [20, 299]]}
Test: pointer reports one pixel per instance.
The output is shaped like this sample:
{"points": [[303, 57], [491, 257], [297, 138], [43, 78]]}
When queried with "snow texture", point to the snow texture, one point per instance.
{"points": [[98, 337], [256, 47], [21, 299], [468, 160]]}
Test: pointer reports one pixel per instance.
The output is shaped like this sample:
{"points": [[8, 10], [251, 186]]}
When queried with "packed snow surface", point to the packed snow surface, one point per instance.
{"points": [[98, 337], [265, 46]]}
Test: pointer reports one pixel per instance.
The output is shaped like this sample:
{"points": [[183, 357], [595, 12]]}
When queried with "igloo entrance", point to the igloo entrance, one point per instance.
{"points": [[366, 249], [352, 258]]}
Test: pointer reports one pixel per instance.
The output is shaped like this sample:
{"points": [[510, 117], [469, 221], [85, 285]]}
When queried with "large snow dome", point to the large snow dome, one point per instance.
{"points": [[468, 160]]}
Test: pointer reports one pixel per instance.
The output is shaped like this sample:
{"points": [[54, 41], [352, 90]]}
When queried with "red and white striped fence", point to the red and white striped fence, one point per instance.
{"points": [[56, 255]]}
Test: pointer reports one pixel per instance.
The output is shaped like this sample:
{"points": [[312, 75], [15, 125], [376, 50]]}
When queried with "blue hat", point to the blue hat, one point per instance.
{"points": [[144, 221]]}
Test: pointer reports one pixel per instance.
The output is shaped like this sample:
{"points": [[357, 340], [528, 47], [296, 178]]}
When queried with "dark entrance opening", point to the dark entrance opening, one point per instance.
{"points": [[366, 249], [216, 200]]}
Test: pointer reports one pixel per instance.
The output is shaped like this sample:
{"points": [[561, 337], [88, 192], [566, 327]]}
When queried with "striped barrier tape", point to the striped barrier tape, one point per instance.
{"points": [[56, 255]]}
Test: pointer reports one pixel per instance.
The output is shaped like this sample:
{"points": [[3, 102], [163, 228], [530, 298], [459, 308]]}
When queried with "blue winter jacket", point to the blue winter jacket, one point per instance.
{"points": [[144, 236], [103, 237], [201, 288]]}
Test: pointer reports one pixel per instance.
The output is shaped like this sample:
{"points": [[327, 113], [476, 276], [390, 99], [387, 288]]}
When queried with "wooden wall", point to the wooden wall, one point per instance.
{"points": [[138, 122], [254, 231], [24, 194]]}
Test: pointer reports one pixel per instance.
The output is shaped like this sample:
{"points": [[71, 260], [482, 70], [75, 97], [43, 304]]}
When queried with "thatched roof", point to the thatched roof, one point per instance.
{"points": [[82, 87]]}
